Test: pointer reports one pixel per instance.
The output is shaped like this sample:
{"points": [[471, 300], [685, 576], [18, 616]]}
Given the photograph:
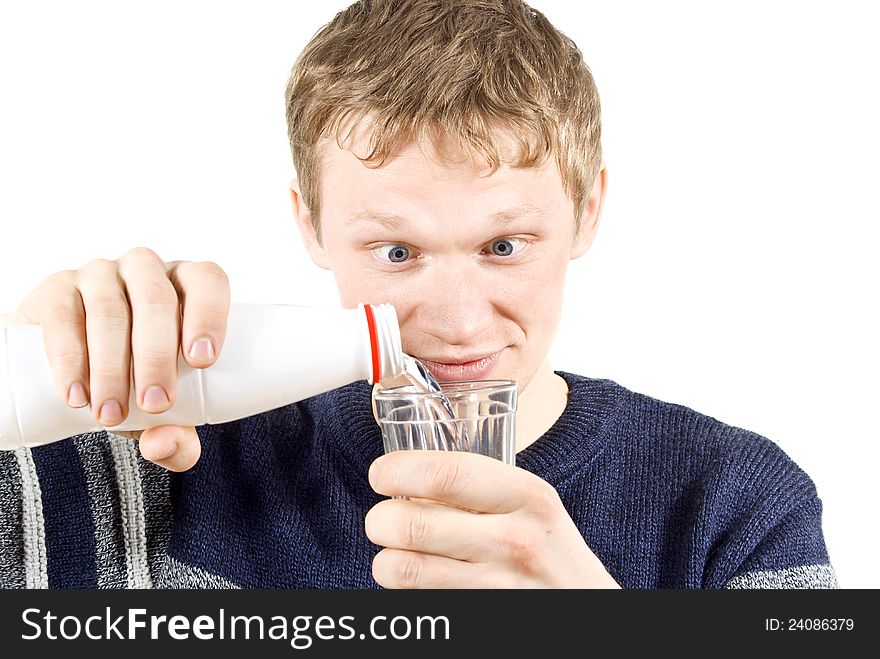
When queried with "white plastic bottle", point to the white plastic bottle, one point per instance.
{"points": [[273, 355]]}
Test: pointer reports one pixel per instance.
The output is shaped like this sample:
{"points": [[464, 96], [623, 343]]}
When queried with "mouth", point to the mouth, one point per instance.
{"points": [[465, 369]]}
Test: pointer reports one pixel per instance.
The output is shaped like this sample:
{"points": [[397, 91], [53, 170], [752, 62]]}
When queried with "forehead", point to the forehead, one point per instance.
{"points": [[433, 178]]}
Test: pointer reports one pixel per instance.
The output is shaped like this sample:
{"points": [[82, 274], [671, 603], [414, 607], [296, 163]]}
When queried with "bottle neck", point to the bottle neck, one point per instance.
{"points": [[385, 346]]}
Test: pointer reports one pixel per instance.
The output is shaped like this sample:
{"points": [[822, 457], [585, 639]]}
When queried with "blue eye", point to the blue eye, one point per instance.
{"points": [[394, 253], [507, 246]]}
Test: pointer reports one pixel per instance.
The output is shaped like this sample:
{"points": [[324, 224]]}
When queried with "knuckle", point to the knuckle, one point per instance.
{"points": [[72, 355], [55, 302], [157, 294], [108, 318], [62, 279], [106, 299], [109, 373], [524, 551], [544, 496], [416, 530], [208, 318], [99, 266], [141, 252], [68, 319], [213, 271], [152, 360], [410, 570], [446, 478]]}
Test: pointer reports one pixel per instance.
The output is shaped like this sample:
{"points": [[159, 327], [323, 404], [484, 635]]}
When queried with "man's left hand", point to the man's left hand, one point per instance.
{"points": [[473, 522]]}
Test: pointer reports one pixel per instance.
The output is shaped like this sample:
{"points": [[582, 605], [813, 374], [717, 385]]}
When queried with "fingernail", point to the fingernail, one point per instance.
{"points": [[155, 397], [76, 395], [111, 413], [203, 350]]}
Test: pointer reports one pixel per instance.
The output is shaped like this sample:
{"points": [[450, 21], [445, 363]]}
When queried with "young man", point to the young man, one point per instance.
{"points": [[449, 162]]}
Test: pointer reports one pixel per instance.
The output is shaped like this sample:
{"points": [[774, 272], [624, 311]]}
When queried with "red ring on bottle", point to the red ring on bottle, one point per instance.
{"points": [[374, 343]]}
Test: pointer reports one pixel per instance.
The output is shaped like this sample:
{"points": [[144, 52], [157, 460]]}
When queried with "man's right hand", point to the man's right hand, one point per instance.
{"points": [[103, 318]]}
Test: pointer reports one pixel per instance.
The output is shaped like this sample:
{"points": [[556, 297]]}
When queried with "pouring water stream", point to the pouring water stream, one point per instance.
{"points": [[417, 374]]}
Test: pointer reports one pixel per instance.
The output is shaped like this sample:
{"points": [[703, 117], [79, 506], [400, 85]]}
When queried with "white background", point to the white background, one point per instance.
{"points": [[735, 270]]}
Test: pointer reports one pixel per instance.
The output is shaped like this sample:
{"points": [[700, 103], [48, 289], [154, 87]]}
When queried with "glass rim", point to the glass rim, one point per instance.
{"points": [[457, 421], [455, 387]]}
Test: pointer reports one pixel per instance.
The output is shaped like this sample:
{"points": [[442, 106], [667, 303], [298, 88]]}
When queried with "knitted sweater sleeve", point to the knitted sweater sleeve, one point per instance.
{"points": [[792, 555], [772, 524]]}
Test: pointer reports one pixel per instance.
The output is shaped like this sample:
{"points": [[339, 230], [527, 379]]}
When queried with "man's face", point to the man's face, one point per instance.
{"points": [[474, 266]]}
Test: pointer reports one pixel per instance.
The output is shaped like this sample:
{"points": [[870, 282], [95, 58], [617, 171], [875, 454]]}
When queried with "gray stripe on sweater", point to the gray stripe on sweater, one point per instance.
{"points": [[100, 473], [12, 572], [802, 576], [158, 514], [175, 574], [33, 524], [131, 504]]}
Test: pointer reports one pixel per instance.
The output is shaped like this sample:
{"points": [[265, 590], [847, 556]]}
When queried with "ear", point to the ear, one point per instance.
{"points": [[592, 212], [310, 237]]}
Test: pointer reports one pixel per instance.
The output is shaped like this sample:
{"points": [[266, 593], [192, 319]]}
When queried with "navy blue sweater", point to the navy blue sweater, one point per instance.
{"points": [[664, 496]]}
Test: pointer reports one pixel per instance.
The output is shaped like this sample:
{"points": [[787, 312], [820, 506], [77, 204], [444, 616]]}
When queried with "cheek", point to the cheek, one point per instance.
{"points": [[539, 290], [535, 305]]}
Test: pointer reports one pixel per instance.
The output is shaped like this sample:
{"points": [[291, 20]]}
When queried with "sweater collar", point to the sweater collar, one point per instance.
{"points": [[581, 431]]}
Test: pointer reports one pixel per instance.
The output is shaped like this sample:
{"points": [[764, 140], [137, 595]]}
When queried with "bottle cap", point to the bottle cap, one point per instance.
{"points": [[385, 344]]}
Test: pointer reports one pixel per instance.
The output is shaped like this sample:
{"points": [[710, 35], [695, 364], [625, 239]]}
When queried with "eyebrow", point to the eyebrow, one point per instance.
{"points": [[388, 220], [508, 215], [394, 221]]}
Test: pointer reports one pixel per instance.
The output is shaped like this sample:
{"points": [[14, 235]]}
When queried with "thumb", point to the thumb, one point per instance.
{"points": [[177, 448]]}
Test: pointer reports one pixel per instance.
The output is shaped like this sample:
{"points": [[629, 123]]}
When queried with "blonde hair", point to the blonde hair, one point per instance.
{"points": [[473, 71]]}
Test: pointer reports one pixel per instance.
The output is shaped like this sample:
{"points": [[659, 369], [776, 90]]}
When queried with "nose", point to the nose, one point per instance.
{"points": [[456, 304]]}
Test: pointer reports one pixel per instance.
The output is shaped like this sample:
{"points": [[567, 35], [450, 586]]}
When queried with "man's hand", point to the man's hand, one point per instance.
{"points": [[474, 522], [100, 320]]}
